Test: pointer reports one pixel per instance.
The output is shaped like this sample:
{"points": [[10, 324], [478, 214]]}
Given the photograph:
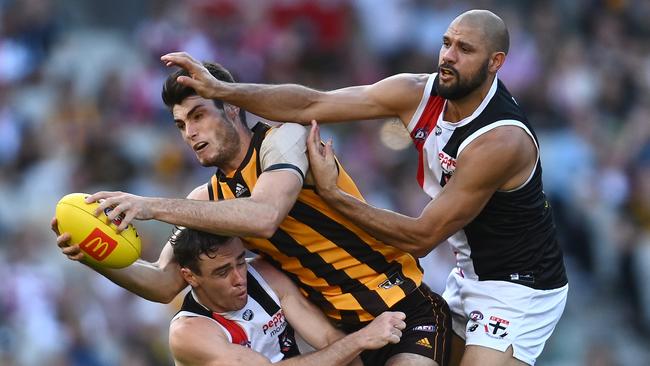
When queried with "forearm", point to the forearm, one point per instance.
{"points": [[284, 103], [229, 217], [296, 103], [338, 353], [146, 280], [390, 227]]}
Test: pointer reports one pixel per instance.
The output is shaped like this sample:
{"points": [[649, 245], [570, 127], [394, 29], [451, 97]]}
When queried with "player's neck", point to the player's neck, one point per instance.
{"points": [[461, 108], [201, 297], [245, 138]]}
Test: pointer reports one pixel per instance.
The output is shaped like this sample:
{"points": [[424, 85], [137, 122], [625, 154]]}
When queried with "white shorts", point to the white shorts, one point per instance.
{"points": [[497, 314]]}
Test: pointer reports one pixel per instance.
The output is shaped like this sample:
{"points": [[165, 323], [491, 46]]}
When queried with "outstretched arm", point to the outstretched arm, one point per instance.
{"points": [[160, 281], [396, 96], [475, 180]]}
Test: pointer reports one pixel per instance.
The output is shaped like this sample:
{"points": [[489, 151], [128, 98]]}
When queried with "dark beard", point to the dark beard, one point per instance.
{"points": [[462, 87], [228, 150]]}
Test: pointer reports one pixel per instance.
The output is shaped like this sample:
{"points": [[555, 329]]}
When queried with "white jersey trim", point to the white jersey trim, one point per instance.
{"points": [[187, 314], [505, 122], [265, 285], [423, 103], [477, 111]]}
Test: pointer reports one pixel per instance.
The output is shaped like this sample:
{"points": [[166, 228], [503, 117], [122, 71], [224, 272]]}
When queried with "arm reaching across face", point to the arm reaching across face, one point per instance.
{"points": [[396, 96]]}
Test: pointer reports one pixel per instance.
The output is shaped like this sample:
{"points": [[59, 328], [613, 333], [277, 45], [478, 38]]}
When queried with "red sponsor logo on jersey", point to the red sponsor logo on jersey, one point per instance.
{"points": [[447, 162], [497, 319], [98, 245], [276, 320]]}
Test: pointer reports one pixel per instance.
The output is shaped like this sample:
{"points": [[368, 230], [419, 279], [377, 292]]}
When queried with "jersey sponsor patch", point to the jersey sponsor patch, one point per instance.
{"points": [[425, 328]]}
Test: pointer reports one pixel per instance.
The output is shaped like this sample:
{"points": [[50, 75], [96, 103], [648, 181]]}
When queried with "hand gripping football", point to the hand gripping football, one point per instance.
{"points": [[97, 238]]}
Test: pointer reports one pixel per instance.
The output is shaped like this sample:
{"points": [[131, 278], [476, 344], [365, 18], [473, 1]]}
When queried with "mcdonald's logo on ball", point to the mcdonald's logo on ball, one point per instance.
{"points": [[98, 245]]}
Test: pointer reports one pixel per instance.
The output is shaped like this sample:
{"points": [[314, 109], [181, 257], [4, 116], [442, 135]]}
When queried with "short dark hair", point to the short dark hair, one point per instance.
{"points": [[174, 93], [189, 244]]}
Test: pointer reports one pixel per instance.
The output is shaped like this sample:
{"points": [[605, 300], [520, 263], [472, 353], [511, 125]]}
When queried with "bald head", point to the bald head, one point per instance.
{"points": [[493, 27]]}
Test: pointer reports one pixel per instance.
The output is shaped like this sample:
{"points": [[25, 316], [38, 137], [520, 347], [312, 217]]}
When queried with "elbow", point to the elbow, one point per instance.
{"points": [[420, 251], [163, 296], [267, 224], [420, 244], [166, 298]]}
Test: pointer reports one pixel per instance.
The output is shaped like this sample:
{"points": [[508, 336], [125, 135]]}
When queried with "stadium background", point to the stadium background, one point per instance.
{"points": [[80, 110]]}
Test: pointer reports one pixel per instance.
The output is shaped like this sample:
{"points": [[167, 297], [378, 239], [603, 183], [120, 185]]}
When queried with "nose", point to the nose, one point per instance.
{"points": [[449, 55], [239, 278], [191, 130]]}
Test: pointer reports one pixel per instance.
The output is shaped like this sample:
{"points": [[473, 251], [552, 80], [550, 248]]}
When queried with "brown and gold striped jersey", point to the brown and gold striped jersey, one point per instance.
{"points": [[350, 275]]}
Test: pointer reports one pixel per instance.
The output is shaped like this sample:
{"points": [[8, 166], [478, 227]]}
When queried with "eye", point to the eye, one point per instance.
{"points": [[223, 273], [180, 125], [198, 116]]}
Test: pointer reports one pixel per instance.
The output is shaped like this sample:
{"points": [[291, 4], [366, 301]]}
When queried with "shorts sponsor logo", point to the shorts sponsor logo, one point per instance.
{"points": [[496, 327], [476, 315], [98, 245], [438, 131], [425, 328], [424, 342]]}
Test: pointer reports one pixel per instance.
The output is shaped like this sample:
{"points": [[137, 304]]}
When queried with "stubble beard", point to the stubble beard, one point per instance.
{"points": [[462, 87]]}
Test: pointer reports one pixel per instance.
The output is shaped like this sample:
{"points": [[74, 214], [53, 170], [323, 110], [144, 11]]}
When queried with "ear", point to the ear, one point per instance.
{"points": [[189, 277], [496, 61], [231, 111]]}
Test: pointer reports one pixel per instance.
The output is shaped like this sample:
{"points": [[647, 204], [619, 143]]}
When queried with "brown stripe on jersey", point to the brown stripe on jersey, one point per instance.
{"points": [[369, 300], [210, 191], [314, 296], [347, 240]]}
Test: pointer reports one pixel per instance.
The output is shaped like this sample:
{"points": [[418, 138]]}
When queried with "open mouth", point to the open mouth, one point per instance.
{"points": [[447, 72], [199, 146]]}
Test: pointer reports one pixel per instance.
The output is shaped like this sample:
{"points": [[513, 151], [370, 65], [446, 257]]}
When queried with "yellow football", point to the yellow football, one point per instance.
{"points": [[97, 238]]}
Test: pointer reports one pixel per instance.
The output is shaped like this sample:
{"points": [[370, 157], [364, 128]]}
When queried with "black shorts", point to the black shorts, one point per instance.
{"points": [[427, 333]]}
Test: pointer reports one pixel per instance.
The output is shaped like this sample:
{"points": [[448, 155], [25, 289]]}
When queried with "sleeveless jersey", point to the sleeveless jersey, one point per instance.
{"points": [[259, 325], [513, 238], [350, 275]]}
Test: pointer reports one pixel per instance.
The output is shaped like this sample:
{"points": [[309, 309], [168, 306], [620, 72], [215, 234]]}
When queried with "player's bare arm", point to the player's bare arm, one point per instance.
{"points": [[500, 159], [396, 96], [199, 341], [270, 201], [160, 281]]}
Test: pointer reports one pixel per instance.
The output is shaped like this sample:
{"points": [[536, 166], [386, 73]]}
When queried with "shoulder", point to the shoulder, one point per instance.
{"points": [[185, 332], [285, 136], [504, 138], [199, 193], [508, 143], [278, 281], [406, 82]]}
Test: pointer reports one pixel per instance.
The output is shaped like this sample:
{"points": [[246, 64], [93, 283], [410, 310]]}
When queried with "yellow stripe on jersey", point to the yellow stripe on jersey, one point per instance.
{"points": [[342, 269]]}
